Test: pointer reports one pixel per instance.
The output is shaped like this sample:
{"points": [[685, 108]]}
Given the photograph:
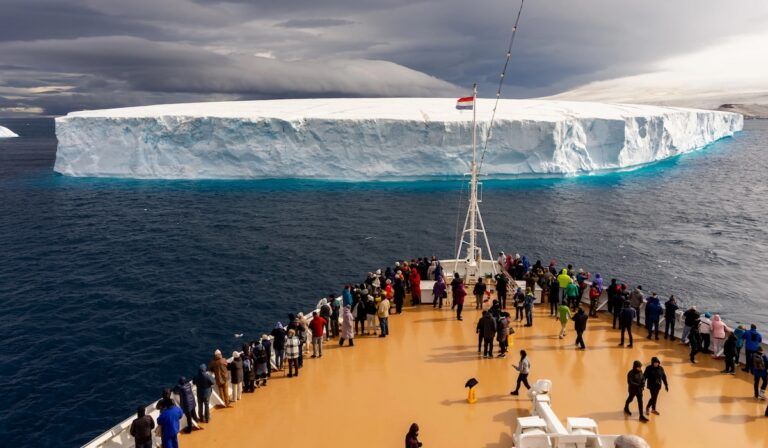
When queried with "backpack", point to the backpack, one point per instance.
{"points": [[758, 362]]}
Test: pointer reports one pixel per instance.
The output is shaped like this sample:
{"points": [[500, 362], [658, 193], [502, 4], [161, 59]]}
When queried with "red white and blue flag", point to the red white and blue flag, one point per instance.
{"points": [[466, 103]]}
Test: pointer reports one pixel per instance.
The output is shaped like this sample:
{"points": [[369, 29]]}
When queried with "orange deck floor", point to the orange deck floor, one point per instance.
{"points": [[369, 394]]}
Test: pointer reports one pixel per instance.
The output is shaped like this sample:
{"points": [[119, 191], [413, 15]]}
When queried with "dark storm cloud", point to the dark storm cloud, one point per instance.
{"points": [[110, 53]]}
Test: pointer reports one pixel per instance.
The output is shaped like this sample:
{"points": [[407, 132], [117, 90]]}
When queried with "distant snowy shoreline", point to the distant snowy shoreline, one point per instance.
{"points": [[370, 139]]}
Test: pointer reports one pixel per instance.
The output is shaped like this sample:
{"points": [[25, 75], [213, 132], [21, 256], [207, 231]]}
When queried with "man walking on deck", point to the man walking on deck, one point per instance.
{"points": [[626, 318], [635, 386], [580, 325]]}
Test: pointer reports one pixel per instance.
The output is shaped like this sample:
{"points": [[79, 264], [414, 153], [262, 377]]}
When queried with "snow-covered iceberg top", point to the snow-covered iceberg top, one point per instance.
{"points": [[6, 133], [375, 138]]}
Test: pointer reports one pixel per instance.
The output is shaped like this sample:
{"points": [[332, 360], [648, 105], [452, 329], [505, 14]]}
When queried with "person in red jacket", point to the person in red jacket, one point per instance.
{"points": [[317, 325], [415, 279], [594, 295]]}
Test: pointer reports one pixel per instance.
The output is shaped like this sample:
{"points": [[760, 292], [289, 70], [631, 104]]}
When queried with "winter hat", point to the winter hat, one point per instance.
{"points": [[202, 367], [217, 352], [637, 364], [707, 315], [655, 360]]}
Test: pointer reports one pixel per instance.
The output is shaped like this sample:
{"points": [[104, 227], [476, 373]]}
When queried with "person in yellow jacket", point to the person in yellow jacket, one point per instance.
{"points": [[563, 280]]}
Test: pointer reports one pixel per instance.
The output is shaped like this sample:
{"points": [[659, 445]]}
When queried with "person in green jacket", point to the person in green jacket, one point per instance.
{"points": [[572, 292], [563, 280], [563, 313]]}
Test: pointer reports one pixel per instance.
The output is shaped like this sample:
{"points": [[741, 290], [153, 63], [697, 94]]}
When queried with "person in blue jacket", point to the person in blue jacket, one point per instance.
{"points": [[653, 312], [187, 401], [169, 421], [752, 340]]}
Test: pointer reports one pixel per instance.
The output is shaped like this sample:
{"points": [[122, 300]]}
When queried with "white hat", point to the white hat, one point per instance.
{"points": [[235, 354], [217, 352]]}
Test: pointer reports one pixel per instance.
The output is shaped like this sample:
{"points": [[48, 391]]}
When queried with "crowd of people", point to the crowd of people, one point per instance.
{"points": [[364, 310]]}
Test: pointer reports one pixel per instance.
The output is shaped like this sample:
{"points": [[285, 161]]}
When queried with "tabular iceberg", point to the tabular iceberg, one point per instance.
{"points": [[379, 138], [6, 133]]}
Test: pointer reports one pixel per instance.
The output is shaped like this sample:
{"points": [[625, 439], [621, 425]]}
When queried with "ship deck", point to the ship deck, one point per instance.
{"points": [[369, 394]]}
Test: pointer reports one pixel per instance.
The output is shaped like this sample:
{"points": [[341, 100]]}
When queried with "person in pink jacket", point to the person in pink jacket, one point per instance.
{"points": [[718, 336]]}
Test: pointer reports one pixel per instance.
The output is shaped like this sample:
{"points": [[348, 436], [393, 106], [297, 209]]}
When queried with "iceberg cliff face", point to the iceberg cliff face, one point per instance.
{"points": [[6, 133], [375, 138]]}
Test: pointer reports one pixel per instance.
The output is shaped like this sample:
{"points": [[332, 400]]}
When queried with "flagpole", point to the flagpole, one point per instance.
{"points": [[472, 250]]}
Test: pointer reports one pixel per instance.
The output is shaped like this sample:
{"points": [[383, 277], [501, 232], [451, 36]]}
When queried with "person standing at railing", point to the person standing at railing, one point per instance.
{"points": [[594, 295], [204, 382], [370, 314], [752, 340], [729, 352], [690, 319], [317, 326], [292, 352], [636, 300], [141, 429], [186, 403], [236, 376], [415, 281], [218, 366], [347, 327], [554, 296], [653, 312], [739, 333], [278, 344], [718, 336], [705, 329], [438, 292], [694, 339], [325, 313], [573, 294], [670, 316]]}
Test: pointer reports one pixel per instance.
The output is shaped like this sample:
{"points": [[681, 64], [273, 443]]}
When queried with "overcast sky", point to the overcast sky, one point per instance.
{"points": [[63, 55]]}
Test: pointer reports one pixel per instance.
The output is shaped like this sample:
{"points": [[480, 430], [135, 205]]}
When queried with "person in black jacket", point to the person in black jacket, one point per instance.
{"points": [[141, 429], [694, 337], [654, 377], [729, 352], [580, 325], [554, 294], [501, 289], [626, 318], [635, 384], [670, 316], [204, 382], [486, 329], [690, 317], [479, 292]]}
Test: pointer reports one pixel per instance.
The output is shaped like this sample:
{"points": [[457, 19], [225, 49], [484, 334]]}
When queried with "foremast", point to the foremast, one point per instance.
{"points": [[473, 223]]}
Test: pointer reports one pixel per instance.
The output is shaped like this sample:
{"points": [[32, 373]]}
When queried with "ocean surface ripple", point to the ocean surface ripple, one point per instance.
{"points": [[111, 289]]}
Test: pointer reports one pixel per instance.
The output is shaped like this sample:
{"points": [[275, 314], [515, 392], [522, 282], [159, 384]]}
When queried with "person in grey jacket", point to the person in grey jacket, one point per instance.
{"points": [[636, 300]]}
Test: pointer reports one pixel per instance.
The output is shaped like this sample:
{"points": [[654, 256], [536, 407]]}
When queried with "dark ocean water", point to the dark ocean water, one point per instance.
{"points": [[110, 289]]}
